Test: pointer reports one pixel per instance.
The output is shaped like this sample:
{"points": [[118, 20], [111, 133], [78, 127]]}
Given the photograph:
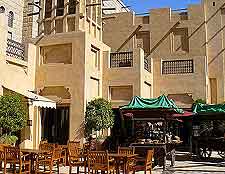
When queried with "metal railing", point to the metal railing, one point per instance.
{"points": [[122, 59], [15, 49]]}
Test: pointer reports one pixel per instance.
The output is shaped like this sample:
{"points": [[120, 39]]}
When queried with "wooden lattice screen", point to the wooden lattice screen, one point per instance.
{"points": [[177, 67]]}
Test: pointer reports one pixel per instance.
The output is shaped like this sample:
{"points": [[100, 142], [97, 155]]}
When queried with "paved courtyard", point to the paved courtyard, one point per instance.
{"points": [[215, 166]]}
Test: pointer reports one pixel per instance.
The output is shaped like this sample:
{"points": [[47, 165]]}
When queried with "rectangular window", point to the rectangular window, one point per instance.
{"points": [[60, 8], [180, 40], [223, 11], [95, 56], [177, 67], [48, 8], [72, 6]]}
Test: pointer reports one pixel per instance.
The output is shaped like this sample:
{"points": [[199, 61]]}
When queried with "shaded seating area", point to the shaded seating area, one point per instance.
{"points": [[151, 127]]}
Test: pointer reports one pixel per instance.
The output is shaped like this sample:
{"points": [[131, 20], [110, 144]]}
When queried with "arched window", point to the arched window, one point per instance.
{"points": [[2, 9], [10, 19]]}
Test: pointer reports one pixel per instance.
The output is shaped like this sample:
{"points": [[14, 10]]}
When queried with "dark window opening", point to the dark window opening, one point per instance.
{"points": [[72, 6], [60, 8], [55, 125], [2, 9], [9, 35], [214, 3], [48, 8], [10, 19]]}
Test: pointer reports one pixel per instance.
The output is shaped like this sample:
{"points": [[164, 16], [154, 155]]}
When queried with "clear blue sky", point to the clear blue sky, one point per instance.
{"points": [[141, 6]]}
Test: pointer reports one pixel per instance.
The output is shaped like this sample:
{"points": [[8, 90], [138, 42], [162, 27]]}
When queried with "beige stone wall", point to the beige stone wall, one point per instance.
{"points": [[19, 76], [215, 21], [76, 77], [182, 37], [135, 76], [17, 8], [117, 30]]}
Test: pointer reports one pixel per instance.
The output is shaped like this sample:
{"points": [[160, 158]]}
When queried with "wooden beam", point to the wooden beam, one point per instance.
{"points": [[112, 8], [128, 39], [94, 4]]}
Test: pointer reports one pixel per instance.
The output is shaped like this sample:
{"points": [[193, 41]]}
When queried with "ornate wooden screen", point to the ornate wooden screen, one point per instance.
{"points": [[122, 59], [178, 67]]}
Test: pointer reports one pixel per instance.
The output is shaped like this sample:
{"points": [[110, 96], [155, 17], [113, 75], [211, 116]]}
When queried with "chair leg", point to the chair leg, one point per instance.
{"points": [[85, 170], [78, 171], [58, 166], [70, 170], [14, 168], [4, 167]]}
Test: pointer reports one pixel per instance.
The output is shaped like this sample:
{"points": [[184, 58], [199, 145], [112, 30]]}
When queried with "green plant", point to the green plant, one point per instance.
{"points": [[98, 116], [101, 137], [13, 115], [202, 101], [8, 139]]}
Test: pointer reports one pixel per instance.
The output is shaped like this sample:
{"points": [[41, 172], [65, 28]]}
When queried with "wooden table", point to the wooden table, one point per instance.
{"points": [[121, 157], [33, 155]]}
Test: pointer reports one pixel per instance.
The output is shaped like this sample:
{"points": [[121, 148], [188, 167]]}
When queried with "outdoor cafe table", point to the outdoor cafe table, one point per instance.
{"points": [[33, 154], [121, 157]]}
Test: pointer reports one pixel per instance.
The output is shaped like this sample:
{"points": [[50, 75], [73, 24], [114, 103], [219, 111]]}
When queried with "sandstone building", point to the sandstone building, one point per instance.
{"points": [[186, 47], [71, 54]]}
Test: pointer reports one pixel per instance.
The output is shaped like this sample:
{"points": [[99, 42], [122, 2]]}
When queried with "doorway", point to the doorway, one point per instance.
{"points": [[55, 125]]}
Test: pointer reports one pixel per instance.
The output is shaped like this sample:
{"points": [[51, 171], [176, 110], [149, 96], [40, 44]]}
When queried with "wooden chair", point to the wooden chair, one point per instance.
{"points": [[1, 156], [75, 158], [99, 160], [147, 164], [127, 151], [47, 147], [13, 156], [73, 144], [50, 156], [45, 160], [64, 149]]}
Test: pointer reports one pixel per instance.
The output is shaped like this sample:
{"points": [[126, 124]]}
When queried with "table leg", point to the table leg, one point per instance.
{"points": [[164, 159], [117, 166], [173, 155]]}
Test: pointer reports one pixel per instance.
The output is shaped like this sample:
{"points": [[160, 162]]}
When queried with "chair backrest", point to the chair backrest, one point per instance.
{"points": [[43, 141], [47, 147], [73, 144], [57, 153], [98, 157], [1, 152], [74, 150], [149, 156], [126, 150], [12, 153]]}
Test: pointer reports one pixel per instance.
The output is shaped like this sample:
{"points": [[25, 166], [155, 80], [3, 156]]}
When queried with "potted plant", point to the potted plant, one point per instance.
{"points": [[13, 117], [98, 117]]}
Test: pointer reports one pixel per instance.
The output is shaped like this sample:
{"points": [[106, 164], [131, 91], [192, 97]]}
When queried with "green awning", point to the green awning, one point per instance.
{"points": [[205, 108], [162, 102]]}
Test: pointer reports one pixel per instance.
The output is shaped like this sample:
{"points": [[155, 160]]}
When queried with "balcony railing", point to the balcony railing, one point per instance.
{"points": [[122, 59], [15, 49], [147, 65]]}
